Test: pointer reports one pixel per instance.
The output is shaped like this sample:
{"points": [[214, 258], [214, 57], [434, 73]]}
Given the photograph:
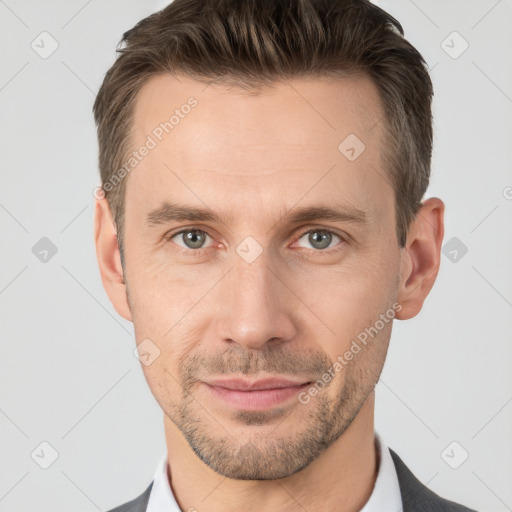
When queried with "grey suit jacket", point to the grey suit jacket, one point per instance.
{"points": [[415, 496]]}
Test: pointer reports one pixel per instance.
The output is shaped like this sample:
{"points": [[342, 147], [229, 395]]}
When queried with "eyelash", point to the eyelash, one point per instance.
{"points": [[199, 252]]}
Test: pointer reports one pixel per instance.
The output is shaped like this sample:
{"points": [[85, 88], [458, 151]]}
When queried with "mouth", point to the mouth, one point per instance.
{"points": [[257, 395]]}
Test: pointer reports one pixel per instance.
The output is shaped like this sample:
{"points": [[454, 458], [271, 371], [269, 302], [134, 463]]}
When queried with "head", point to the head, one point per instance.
{"points": [[263, 166]]}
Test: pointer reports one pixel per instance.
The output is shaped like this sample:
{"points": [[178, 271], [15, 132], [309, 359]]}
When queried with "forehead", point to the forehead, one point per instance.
{"points": [[293, 139], [314, 111]]}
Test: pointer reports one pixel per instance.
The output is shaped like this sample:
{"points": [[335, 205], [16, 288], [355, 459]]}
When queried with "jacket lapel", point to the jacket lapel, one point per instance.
{"points": [[416, 497], [139, 504]]}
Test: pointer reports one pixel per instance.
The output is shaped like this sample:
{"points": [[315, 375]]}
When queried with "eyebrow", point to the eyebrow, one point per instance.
{"points": [[169, 212]]}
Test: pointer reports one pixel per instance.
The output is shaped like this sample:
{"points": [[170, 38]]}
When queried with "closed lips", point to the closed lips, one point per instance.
{"points": [[259, 385]]}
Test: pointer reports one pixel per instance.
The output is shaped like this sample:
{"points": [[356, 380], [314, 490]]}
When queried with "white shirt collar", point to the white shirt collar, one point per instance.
{"points": [[385, 496]]}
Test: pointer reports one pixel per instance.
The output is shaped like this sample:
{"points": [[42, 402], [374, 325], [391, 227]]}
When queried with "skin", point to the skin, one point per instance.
{"points": [[291, 312]]}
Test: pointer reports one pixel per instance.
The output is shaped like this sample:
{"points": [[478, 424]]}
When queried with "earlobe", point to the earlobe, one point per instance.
{"points": [[421, 257], [109, 259]]}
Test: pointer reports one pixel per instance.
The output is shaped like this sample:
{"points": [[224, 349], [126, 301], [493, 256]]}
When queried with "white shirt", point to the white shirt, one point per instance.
{"points": [[385, 496]]}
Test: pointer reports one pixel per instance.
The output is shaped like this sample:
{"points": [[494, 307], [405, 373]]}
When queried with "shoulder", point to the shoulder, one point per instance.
{"points": [[418, 497], [138, 504]]}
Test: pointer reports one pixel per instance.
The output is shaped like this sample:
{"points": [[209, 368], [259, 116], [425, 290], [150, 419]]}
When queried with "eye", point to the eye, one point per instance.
{"points": [[192, 239], [320, 239]]}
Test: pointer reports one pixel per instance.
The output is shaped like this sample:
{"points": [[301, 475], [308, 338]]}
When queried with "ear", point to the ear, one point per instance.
{"points": [[421, 257], [109, 258]]}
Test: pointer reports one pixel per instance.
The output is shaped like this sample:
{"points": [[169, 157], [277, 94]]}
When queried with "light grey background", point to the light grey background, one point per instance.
{"points": [[68, 374]]}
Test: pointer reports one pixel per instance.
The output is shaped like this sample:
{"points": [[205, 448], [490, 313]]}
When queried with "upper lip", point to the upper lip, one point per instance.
{"points": [[255, 385]]}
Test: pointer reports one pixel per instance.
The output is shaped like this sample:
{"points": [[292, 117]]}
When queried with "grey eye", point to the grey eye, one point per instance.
{"points": [[192, 238], [319, 238]]}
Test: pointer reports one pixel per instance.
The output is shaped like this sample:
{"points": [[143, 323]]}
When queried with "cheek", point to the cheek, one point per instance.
{"points": [[355, 288], [166, 326], [163, 381], [161, 296], [344, 302], [168, 350]]}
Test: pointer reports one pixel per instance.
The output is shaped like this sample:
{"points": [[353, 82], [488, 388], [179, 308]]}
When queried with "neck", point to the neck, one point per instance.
{"points": [[341, 479]]}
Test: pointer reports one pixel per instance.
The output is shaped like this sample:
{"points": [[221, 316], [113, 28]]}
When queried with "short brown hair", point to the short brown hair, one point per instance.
{"points": [[251, 43]]}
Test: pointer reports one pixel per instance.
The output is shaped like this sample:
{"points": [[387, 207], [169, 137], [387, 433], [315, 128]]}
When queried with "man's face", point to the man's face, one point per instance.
{"points": [[259, 294]]}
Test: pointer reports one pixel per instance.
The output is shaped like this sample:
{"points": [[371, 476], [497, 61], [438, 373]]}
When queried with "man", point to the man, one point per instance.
{"points": [[261, 223]]}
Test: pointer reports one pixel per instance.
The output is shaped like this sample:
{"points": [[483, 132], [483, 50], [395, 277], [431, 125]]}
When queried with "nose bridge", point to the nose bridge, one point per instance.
{"points": [[256, 307]]}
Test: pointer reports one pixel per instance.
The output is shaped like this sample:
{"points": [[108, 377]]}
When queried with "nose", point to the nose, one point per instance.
{"points": [[257, 307]]}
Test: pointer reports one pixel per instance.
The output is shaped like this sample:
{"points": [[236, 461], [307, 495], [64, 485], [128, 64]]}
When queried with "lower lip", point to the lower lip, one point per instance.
{"points": [[256, 400]]}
